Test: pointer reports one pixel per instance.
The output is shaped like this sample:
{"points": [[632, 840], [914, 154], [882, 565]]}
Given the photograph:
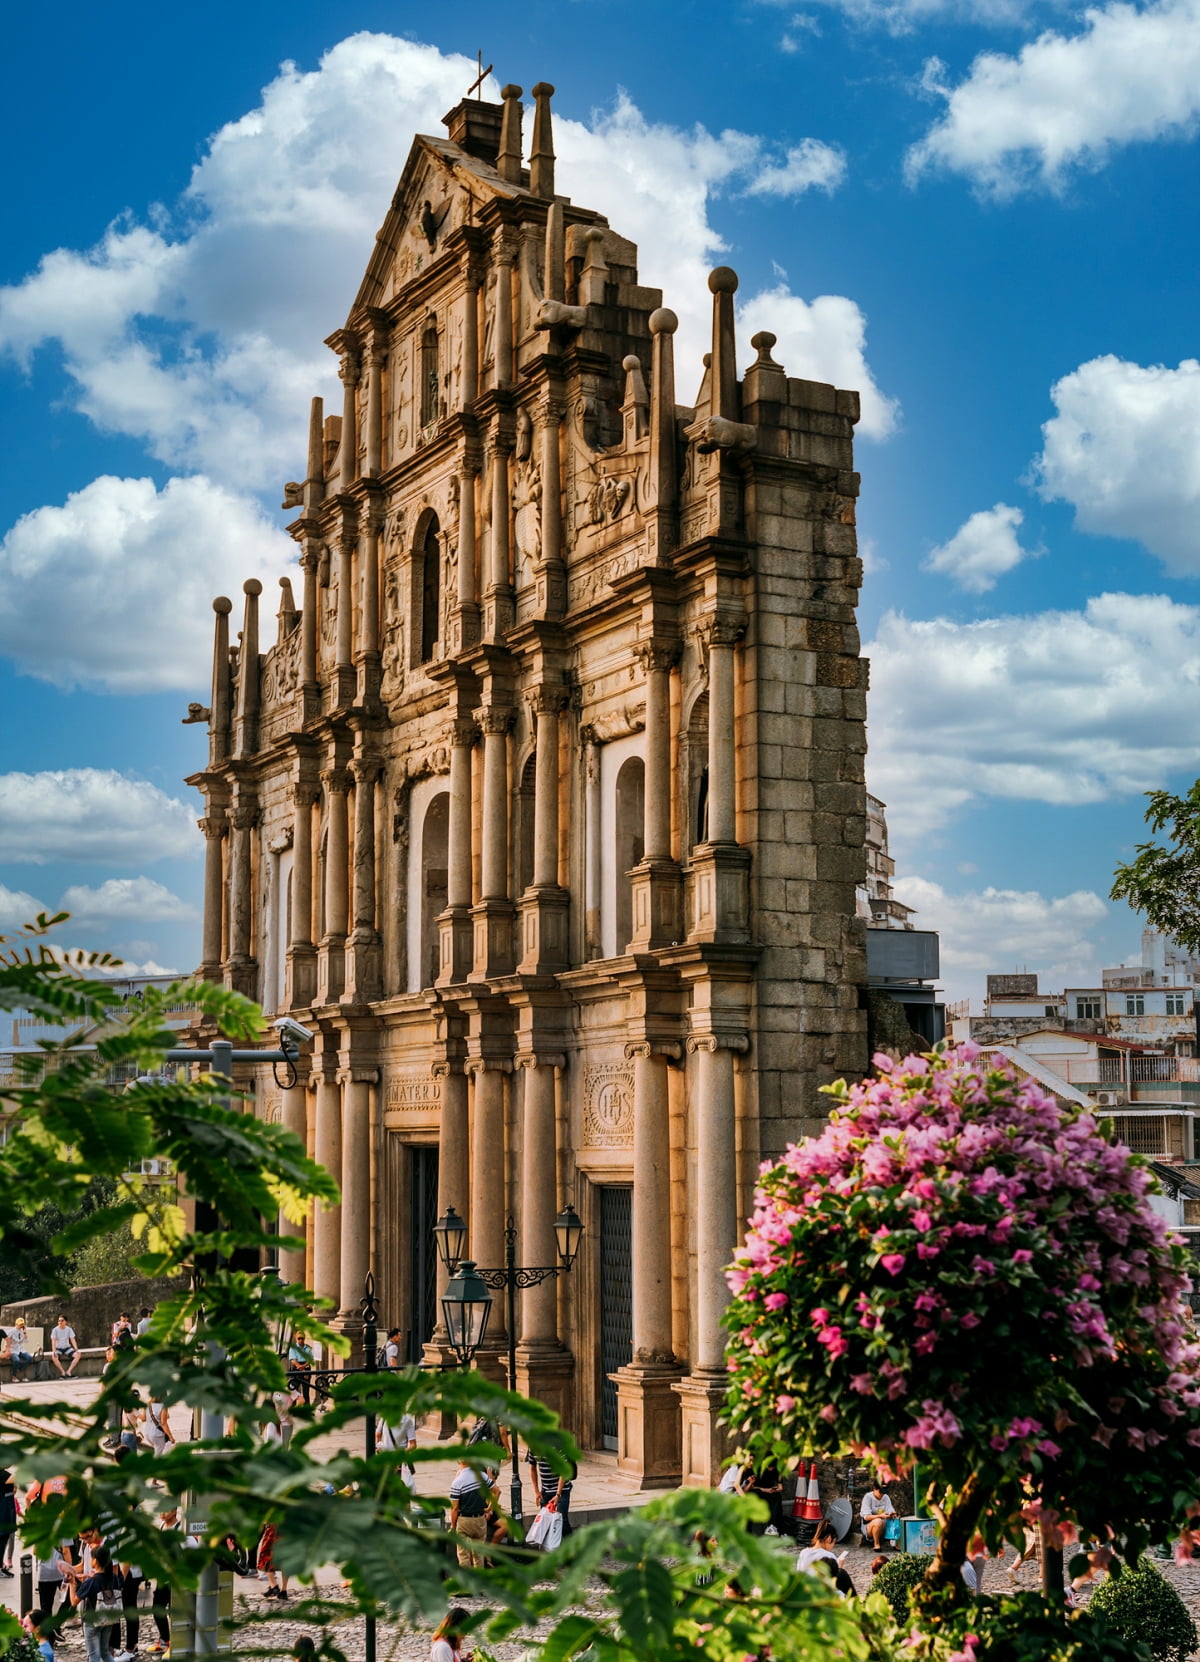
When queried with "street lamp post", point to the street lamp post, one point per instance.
{"points": [[469, 1284]]}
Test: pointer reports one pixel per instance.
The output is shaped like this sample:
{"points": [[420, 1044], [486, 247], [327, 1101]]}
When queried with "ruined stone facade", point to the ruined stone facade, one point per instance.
{"points": [[545, 808]]}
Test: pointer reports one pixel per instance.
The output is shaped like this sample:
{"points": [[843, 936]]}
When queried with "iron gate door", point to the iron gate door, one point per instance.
{"points": [[423, 1178], [616, 1300]]}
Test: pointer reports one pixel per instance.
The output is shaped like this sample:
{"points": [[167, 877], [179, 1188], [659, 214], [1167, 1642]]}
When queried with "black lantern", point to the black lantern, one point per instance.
{"points": [[568, 1232], [450, 1233], [466, 1306]]}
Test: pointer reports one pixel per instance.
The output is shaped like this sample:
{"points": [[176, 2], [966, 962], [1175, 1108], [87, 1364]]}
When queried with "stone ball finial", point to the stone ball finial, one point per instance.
{"points": [[763, 341], [594, 235], [510, 91], [222, 605], [252, 586], [707, 360], [630, 362], [723, 280], [543, 90], [663, 321]]}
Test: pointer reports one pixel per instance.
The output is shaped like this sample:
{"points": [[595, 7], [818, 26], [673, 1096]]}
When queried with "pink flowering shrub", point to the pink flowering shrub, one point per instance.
{"points": [[964, 1272]]}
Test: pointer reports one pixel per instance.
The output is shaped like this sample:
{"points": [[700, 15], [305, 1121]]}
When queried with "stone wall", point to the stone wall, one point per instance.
{"points": [[91, 1311]]}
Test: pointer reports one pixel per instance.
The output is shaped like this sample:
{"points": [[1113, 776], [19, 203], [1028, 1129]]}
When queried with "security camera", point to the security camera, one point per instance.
{"points": [[289, 1029]]}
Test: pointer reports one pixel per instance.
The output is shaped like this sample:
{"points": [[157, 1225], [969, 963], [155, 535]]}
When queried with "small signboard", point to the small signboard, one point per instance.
{"points": [[919, 1535]]}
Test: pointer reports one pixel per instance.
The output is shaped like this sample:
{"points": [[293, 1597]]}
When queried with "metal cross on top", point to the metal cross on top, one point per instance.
{"points": [[477, 84]]}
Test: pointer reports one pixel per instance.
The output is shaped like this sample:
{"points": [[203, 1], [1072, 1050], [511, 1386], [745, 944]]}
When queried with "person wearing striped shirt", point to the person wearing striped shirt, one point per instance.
{"points": [[550, 1485]]}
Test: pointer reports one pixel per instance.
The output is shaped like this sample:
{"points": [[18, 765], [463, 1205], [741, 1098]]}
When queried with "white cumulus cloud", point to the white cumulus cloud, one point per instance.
{"points": [[981, 550], [1124, 450], [992, 931], [1061, 707], [809, 165], [115, 587], [91, 815], [125, 900], [823, 340], [901, 17], [1130, 74], [18, 908]]}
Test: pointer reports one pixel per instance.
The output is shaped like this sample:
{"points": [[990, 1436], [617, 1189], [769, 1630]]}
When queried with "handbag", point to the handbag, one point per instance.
{"points": [[546, 1529], [891, 1530]]}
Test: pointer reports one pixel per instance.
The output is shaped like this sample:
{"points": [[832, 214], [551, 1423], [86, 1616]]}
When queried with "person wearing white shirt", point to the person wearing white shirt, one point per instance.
{"points": [[448, 1640], [64, 1348], [391, 1349], [402, 1436], [875, 1511], [820, 1558]]}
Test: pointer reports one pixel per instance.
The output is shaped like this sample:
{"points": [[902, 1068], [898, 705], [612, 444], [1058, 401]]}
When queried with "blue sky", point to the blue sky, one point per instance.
{"points": [[981, 212]]}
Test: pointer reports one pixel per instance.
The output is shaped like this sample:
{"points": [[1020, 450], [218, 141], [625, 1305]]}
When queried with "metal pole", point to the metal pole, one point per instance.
{"points": [[27, 1583], [212, 1428], [370, 1317], [516, 1505]]}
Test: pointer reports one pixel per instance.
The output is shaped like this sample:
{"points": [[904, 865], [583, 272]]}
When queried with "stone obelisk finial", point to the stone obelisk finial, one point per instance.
{"points": [[314, 479], [723, 282], [218, 727], [556, 253], [541, 156], [248, 672], [287, 615], [663, 463], [508, 162]]}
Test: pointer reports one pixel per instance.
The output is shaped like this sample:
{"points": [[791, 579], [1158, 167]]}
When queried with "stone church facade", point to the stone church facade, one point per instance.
{"points": [[545, 808]]}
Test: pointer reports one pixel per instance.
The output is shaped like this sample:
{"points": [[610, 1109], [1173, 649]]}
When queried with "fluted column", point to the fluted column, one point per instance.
{"points": [[546, 703], [356, 1188], [722, 799], [293, 1117], [351, 369], [498, 599], [658, 661], [301, 950], [327, 1220], [365, 771], [488, 1209], [465, 614], [539, 1204], [376, 358], [331, 976], [651, 1206], [243, 818], [454, 925], [454, 1151], [310, 561], [368, 561], [470, 366], [716, 1191], [505, 255], [494, 722], [214, 827], [344, 675]]}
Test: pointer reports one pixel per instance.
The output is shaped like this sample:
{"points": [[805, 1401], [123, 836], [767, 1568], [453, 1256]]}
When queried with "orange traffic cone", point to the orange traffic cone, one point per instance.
{"points": [[812, 1502], [801, 1500]]}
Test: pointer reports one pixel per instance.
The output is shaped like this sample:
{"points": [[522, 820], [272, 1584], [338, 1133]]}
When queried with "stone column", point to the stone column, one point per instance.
{"points": [[494, 914], [301, 951], [349, 372], [470, 362], [368, 653], [327, 1221], [344, 676], [376, 358], [310, 692], [716, 1212], [647, 1407], [331, 975], [505, 255], [720, 865], [722, 799], [454, 926], [551, 572], [363, 959], [657, 889], [498, 597], [464, 627], [214, 827], [294, 1118], [593, 853], [488, 1190], [454, 1152], [539, 1200], [240, 969], [544, 905], [356, 1190]]}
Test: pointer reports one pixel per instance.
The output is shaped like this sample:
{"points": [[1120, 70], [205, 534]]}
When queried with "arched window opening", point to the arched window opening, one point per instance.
{"points": [[525, 825], [697, 756], [429, 374], [435, 862], [630, 841], [431, 592]]}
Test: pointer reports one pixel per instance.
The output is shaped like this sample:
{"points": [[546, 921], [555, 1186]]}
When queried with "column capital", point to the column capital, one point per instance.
{"points": [[657, 655], [244, 817], [214, 825], [494, 718], [306, 792], [488, 1064], [540, 1059], [547, 700], [444, 1069], [312, 550], [350, 369], [710, 1042], [721, 629], [549, 410], [357, 1074], [365, 770], [378, 342], [504, 250], [643, 1049], [336, 780], [461, 733]]}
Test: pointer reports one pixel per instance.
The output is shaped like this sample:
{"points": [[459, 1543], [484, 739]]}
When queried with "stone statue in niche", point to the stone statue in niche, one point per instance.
{"points": [[616, 494], [527, 519], [394, 536], [524, 440], [487, 356]]}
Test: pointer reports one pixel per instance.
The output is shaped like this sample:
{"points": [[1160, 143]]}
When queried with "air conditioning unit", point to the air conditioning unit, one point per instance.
{"points": [[1107, 1099]]}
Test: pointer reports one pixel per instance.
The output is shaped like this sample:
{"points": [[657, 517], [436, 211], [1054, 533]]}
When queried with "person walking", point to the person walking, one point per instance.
{"points": [[156, 1427], [277, 1583], [389, 1438], [64, 1347], [8, 1521], [98, 1596], [468, 1515], [550, 1485]]}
